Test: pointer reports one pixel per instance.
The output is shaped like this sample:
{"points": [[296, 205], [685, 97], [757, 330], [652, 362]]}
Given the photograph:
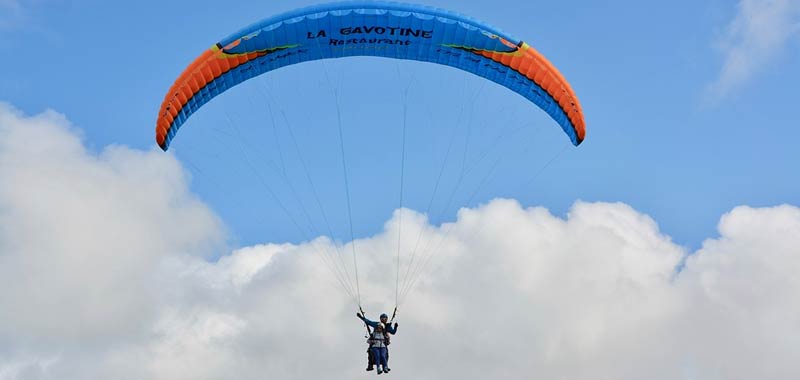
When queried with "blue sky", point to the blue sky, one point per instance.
{"points": [[176, 265], [690, 111]]}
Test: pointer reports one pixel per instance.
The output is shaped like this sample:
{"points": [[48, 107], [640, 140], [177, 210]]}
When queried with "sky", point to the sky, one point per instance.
{"points": [[664, 246], [686, 103]]}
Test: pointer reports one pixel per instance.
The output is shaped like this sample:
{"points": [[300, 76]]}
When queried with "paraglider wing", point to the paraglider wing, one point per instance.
{"points": [[383, 29]]}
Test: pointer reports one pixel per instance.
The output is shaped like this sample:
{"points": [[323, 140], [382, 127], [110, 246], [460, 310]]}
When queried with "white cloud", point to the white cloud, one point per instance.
{"points": [[759, 32], [80, 234], [98, 281], [744, 287]]}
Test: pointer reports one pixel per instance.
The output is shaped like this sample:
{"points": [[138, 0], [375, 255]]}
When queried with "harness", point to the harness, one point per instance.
{"points": [[371, 335], [375, 338]]}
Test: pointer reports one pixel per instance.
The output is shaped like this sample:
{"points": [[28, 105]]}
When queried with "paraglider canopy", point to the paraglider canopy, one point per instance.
{"points": [[371, 28]]}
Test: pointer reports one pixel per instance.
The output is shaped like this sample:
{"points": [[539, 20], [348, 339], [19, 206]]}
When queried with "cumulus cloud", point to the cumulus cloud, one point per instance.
{"points": [[759, 32], [97, 281], [80, 234]]}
